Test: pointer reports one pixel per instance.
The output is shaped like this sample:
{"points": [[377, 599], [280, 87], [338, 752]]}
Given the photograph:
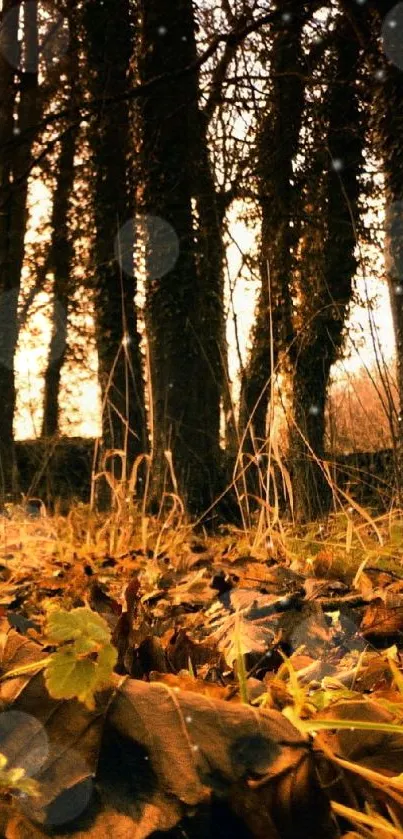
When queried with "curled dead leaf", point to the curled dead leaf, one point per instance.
{"points": [[152, 757]]}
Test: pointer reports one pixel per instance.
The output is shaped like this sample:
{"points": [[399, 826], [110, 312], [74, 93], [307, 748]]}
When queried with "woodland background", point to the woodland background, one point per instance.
{"points": [[148, 122]]}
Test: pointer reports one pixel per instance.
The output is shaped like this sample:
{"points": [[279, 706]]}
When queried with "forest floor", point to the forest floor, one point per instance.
{"points": [[257, 686]]}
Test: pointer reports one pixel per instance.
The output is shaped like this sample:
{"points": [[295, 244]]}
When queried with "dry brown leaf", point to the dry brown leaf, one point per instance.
{"points": [[381, 619], [185, 681], [151, 757], [378, 750]]}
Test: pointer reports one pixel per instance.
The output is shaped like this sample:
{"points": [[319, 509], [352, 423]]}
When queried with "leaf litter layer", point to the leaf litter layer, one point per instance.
{"points": [[257, 678]]}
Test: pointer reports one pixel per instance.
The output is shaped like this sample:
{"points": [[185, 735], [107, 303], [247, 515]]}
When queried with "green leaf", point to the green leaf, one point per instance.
{"points": [[69, 677], [15, 779], [322, 697], [81, 623], [84, 646]]}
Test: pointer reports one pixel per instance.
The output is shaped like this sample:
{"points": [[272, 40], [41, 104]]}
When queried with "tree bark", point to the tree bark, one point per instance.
{"points": [[210, 261], [183, 304], [390, 137], [18, 126], [60, 257], [60, 262], [385, 107], [278, 140], [109, 45], [326, 300]]}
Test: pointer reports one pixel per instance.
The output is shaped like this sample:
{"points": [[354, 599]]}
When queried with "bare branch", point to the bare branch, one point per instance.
{"points": [[83, 110]]}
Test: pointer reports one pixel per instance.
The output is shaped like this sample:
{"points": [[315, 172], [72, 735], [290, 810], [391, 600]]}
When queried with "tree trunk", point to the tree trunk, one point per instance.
{"points": [[109, 37], [278, 141], [61, 253], [390, 136], [184, 300], [212, 324], [326, 301], [59, 261], [17, 120], [386, 118]]}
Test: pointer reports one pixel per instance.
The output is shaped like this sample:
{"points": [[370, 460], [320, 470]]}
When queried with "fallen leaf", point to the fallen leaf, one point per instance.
{"points": [[151, 757]]}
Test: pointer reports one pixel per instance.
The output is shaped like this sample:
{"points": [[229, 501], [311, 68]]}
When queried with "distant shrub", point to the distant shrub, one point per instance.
{"points": [[362, 410]]}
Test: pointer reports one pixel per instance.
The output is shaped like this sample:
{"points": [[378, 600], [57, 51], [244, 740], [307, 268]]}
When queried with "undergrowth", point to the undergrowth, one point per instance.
{"points": [[155, 569]]}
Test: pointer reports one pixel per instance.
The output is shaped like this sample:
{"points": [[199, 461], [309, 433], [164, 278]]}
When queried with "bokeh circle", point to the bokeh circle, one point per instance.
{"points": [[392, 35], [152, 240], [23, 741], [17, 36]]}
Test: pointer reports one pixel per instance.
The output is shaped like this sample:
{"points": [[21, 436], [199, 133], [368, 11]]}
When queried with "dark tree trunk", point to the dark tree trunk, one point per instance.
{"points": [[17, 132], [60, 256], [278, 140], [212, 324], [59, 261], [109, 43], [320, 339], [386, 118], [391, 138], [7, 338], [184, 300]]}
